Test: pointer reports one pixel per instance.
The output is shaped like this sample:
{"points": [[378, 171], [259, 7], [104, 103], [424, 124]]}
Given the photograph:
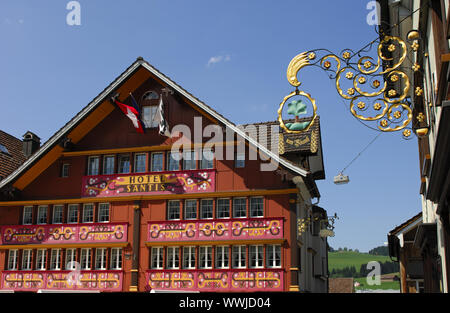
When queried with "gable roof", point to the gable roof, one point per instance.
{"points": [[141, 63], [11, 156]]}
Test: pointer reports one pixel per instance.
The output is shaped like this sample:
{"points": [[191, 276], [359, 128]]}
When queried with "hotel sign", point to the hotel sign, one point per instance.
{"points": [[148, 183]]}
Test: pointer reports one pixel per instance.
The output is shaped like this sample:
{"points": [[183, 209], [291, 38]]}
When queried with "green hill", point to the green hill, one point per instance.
{"points": [[341, 259]]}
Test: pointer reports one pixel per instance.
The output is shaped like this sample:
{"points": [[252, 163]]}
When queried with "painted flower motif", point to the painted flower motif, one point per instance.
{"points": [[361, 105], [394, 78], [189, 181], [392, 93], [419, 91], [346, 55], [397, 114], [391, 47], [367, 64], [362, 80], [349, 75], [351, 91], [311, 55], [416, 67], [384, 123], [415, 46], [420, 117], [376, 83], [377, 106], [406, 133], [327, 64]]}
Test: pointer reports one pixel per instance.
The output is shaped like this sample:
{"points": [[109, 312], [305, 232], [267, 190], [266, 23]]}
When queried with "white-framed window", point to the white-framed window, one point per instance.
{"points": [[189, 257], [157, 260], [88, 213], [239, 162], [273, 256], [42, 214], [157, 162], [100, 259], [256, 256], [140, 161], [26, 259], [109, 164], [189, 161], [173, 210], [124, 164], [85, 258], [65, 170], [116, 258], [57, 216], [173, 258], [256, 207], [13, 257], [173, 161], [71, 257], [223, 208], [239, 207], [190, 209], [72, 213], [207, 161], [27, 216], [93, 165], [41, 259], [222, 257], [205, 257], [55, 259], [239, 256], [148, 116], [206, 208], [103, 212]]}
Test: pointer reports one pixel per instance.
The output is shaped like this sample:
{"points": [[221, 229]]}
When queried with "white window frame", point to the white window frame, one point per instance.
{"points": [[42, 208], [55, 259], [191, 160], [271, 256], [85, 258], [205, 162], [169, 208], [239, 162], [218, 215], [136, 155], [148, 116], [41, 259], [101, 216], [91, 171], [162, 162], [233, 207], [169, 158], [185, 206], [205, 255], [256, 255], [201, 209], [100, 259], [251, 209], [27, 210], [119, 163], [116, 259], [26, 259], [239, 255], [222, 257], [173, 257], [65, 170], [70, 208], [157, 257], [55, 207], [189, 256], [13, 258], [71, 258], [88, 207], [105, 163]]}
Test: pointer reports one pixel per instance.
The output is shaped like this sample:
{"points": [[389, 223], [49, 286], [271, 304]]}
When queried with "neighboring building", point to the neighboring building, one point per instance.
{"points": [[101, 207], [431, 121], [11, 154], [402, 250]]}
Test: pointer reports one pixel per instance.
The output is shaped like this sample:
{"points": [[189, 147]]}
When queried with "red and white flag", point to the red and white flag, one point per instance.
{"points": [[132, 113]]}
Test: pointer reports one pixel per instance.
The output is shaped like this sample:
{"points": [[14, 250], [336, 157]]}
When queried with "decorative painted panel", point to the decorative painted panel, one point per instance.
{"points": [[63, 233], [226, 229], [62, 280], [153, 183], [246, 280]]}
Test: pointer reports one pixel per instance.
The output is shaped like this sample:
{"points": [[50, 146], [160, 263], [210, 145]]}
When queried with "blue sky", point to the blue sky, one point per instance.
{"points": [[230, 54]]}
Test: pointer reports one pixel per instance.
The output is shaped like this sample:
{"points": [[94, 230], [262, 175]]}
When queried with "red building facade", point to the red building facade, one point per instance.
{"points": [[101, 207]]}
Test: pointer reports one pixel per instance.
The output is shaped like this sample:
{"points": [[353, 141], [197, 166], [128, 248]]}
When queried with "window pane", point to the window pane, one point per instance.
{"points": [[239, 256], [256, 207], [116, 258], [88, 213], [190, 209], [42, 215], [140, 161], [173, 210], [189, 162], [103, 212], [85, 259], [65, 170], [41, 259], [240, 160], [157, 258], [207, 159], [27, 215], [26, 259], [100, 259], [55, 259], [108, 165], [157, 162], [256, 256], [93, 165], [173, 257], [273, 255], [148, 116], [72, 213], [206, 208], [124, 164], [70, 259], [223, 208], [173, 161], [239, 207], [189, 257], [222, 257], [57, 214], [205, 257], [12, 259]]}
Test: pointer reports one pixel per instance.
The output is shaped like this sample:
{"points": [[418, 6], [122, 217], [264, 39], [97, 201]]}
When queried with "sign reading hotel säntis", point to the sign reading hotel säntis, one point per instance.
{"points": [[148, 183]]}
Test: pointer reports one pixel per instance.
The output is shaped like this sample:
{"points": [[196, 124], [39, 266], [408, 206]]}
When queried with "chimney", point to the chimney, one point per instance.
{"points": [[31, 143]]}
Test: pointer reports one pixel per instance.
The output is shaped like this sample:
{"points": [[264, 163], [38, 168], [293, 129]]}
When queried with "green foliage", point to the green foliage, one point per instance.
{"points": [[381, 250]]}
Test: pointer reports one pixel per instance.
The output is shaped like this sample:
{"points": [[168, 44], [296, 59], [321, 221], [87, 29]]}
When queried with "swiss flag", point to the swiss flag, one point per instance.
{"points": [[132, 113]]}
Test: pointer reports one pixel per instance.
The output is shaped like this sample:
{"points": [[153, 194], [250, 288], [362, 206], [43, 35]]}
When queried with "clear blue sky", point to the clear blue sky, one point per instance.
{"points": [[233, 56]]}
